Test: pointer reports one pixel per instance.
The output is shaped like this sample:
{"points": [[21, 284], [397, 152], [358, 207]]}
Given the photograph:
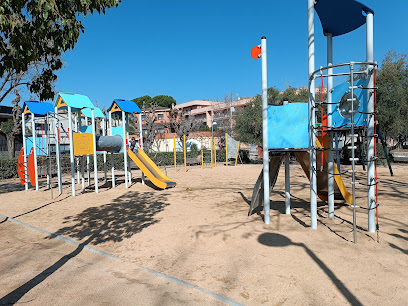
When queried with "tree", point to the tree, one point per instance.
{"points": [[12, 127], [144, 101], [182, 124], [164, 101], [160, 100], [36, 33], [392, 96], [248, 123]]}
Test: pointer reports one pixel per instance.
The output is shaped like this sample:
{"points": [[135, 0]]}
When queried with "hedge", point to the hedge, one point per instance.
{"points": [[8, 166]]}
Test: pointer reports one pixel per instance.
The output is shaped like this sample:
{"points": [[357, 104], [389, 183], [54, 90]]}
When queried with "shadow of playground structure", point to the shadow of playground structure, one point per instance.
{"points": [[125, 216]]}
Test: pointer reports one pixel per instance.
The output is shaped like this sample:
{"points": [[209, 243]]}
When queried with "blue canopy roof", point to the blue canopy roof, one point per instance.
{"points": [[339, 17], [37, 108], [125, 105], [73, 100], [88, 112]]}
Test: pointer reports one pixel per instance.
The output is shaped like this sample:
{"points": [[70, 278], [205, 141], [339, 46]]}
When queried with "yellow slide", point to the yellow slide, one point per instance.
{"points": [[149, 168], [340, 190]]}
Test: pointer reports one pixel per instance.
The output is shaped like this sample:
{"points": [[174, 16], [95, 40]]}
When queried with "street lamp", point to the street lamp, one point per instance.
{"points": [[212, 128]]}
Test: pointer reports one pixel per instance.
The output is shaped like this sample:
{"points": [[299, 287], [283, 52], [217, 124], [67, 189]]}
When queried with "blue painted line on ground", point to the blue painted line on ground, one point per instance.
{"points": [[96, 251]]}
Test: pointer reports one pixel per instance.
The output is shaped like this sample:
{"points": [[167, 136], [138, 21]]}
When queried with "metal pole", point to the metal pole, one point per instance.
{"points": [[127, 137], [47, 152], [58, 150], [185, 161], [287, 183], [71, 150], [312, 115], [94, 150], [215, 153], [353, 156], [125, 148], [83, 173], [25, 152], [211, 152], [141, 141], [88, 162], [77, 128], [112, 156], [265, 131], [370, 128], [104, 152], [35, 151], [226, 149], [202, 154], [175, 155], [330, 165]]}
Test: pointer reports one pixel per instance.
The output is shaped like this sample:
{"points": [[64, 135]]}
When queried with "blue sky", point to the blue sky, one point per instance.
{"points": [[201, 49]]}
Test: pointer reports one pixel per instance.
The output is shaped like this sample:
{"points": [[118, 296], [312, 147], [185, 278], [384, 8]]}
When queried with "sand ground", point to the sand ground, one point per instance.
{"points": [[200, 234]]}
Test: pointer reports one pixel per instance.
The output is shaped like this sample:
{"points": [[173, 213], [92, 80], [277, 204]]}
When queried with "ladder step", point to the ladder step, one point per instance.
{"points": [[355, 183], [351, 147], [355, 159], [354, 135], [351, 171], [354, 206]]}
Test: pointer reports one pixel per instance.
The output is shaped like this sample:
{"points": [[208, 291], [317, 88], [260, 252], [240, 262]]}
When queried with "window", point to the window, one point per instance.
{"points": [[161, 116]]}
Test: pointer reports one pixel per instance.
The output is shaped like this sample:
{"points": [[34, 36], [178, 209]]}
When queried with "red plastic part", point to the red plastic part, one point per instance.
{"points": [[21, 167], [256, 51], [31, 168]]}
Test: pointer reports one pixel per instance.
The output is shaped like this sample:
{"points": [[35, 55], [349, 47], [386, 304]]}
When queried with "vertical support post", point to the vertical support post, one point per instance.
{"points": [[125, 148], [265, 132], [71, 149], [226, 149], [88, 163], [215, 153], [330, 165], [141, 141], [312, 114], [112, 156], [127, 141], [34, 150], [104, 152], [175, 155], [185, 153], [82, 173], [77, 122], [202, 154], [47, 152], [23, 128], [370, 128], [236, 157], [287, 183], [211, 139], [94, 151], [58, 150]]}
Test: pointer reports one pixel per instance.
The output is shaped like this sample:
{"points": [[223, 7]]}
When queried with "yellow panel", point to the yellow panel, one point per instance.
{"points": [[115, 108], [61, 103], [83, 143], [26, 110]]}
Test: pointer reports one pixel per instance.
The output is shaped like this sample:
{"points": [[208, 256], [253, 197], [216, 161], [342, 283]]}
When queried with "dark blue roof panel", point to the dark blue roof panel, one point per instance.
{"points": [[39, 108], [126, 106], [339, 17]]}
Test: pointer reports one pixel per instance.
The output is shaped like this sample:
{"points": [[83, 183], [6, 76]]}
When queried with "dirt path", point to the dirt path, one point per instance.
{"points": [[199, 232]]}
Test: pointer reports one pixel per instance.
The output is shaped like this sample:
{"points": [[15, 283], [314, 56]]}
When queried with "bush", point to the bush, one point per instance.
{"points": [[8, 168]]}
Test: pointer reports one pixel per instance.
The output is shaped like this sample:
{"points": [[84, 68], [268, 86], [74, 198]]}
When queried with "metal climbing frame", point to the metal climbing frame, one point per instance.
{"points": [[350, 128]]}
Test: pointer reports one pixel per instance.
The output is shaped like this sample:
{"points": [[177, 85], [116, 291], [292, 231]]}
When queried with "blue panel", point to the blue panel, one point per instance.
{"points": [[338, 92], [126, 106], [288, 126], [88, 112], [75, 100], [39, 108], [339, 17], [86, 129], [41, 145]]}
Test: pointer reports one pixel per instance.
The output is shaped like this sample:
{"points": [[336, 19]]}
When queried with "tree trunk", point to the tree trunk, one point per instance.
{"points": [[10, 144]]}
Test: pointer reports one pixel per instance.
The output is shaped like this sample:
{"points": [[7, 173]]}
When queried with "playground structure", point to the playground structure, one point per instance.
{"points": [[83, 142], [351, 112]]}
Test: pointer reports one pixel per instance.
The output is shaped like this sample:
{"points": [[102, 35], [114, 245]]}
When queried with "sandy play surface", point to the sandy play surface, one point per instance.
{"points": [[199, 237]]}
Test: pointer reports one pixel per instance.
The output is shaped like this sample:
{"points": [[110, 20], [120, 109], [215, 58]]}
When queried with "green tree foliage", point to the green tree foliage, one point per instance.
{"points": [[144, 101], [38, 32], [248, 123], [392, 96], [160, 100]]}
